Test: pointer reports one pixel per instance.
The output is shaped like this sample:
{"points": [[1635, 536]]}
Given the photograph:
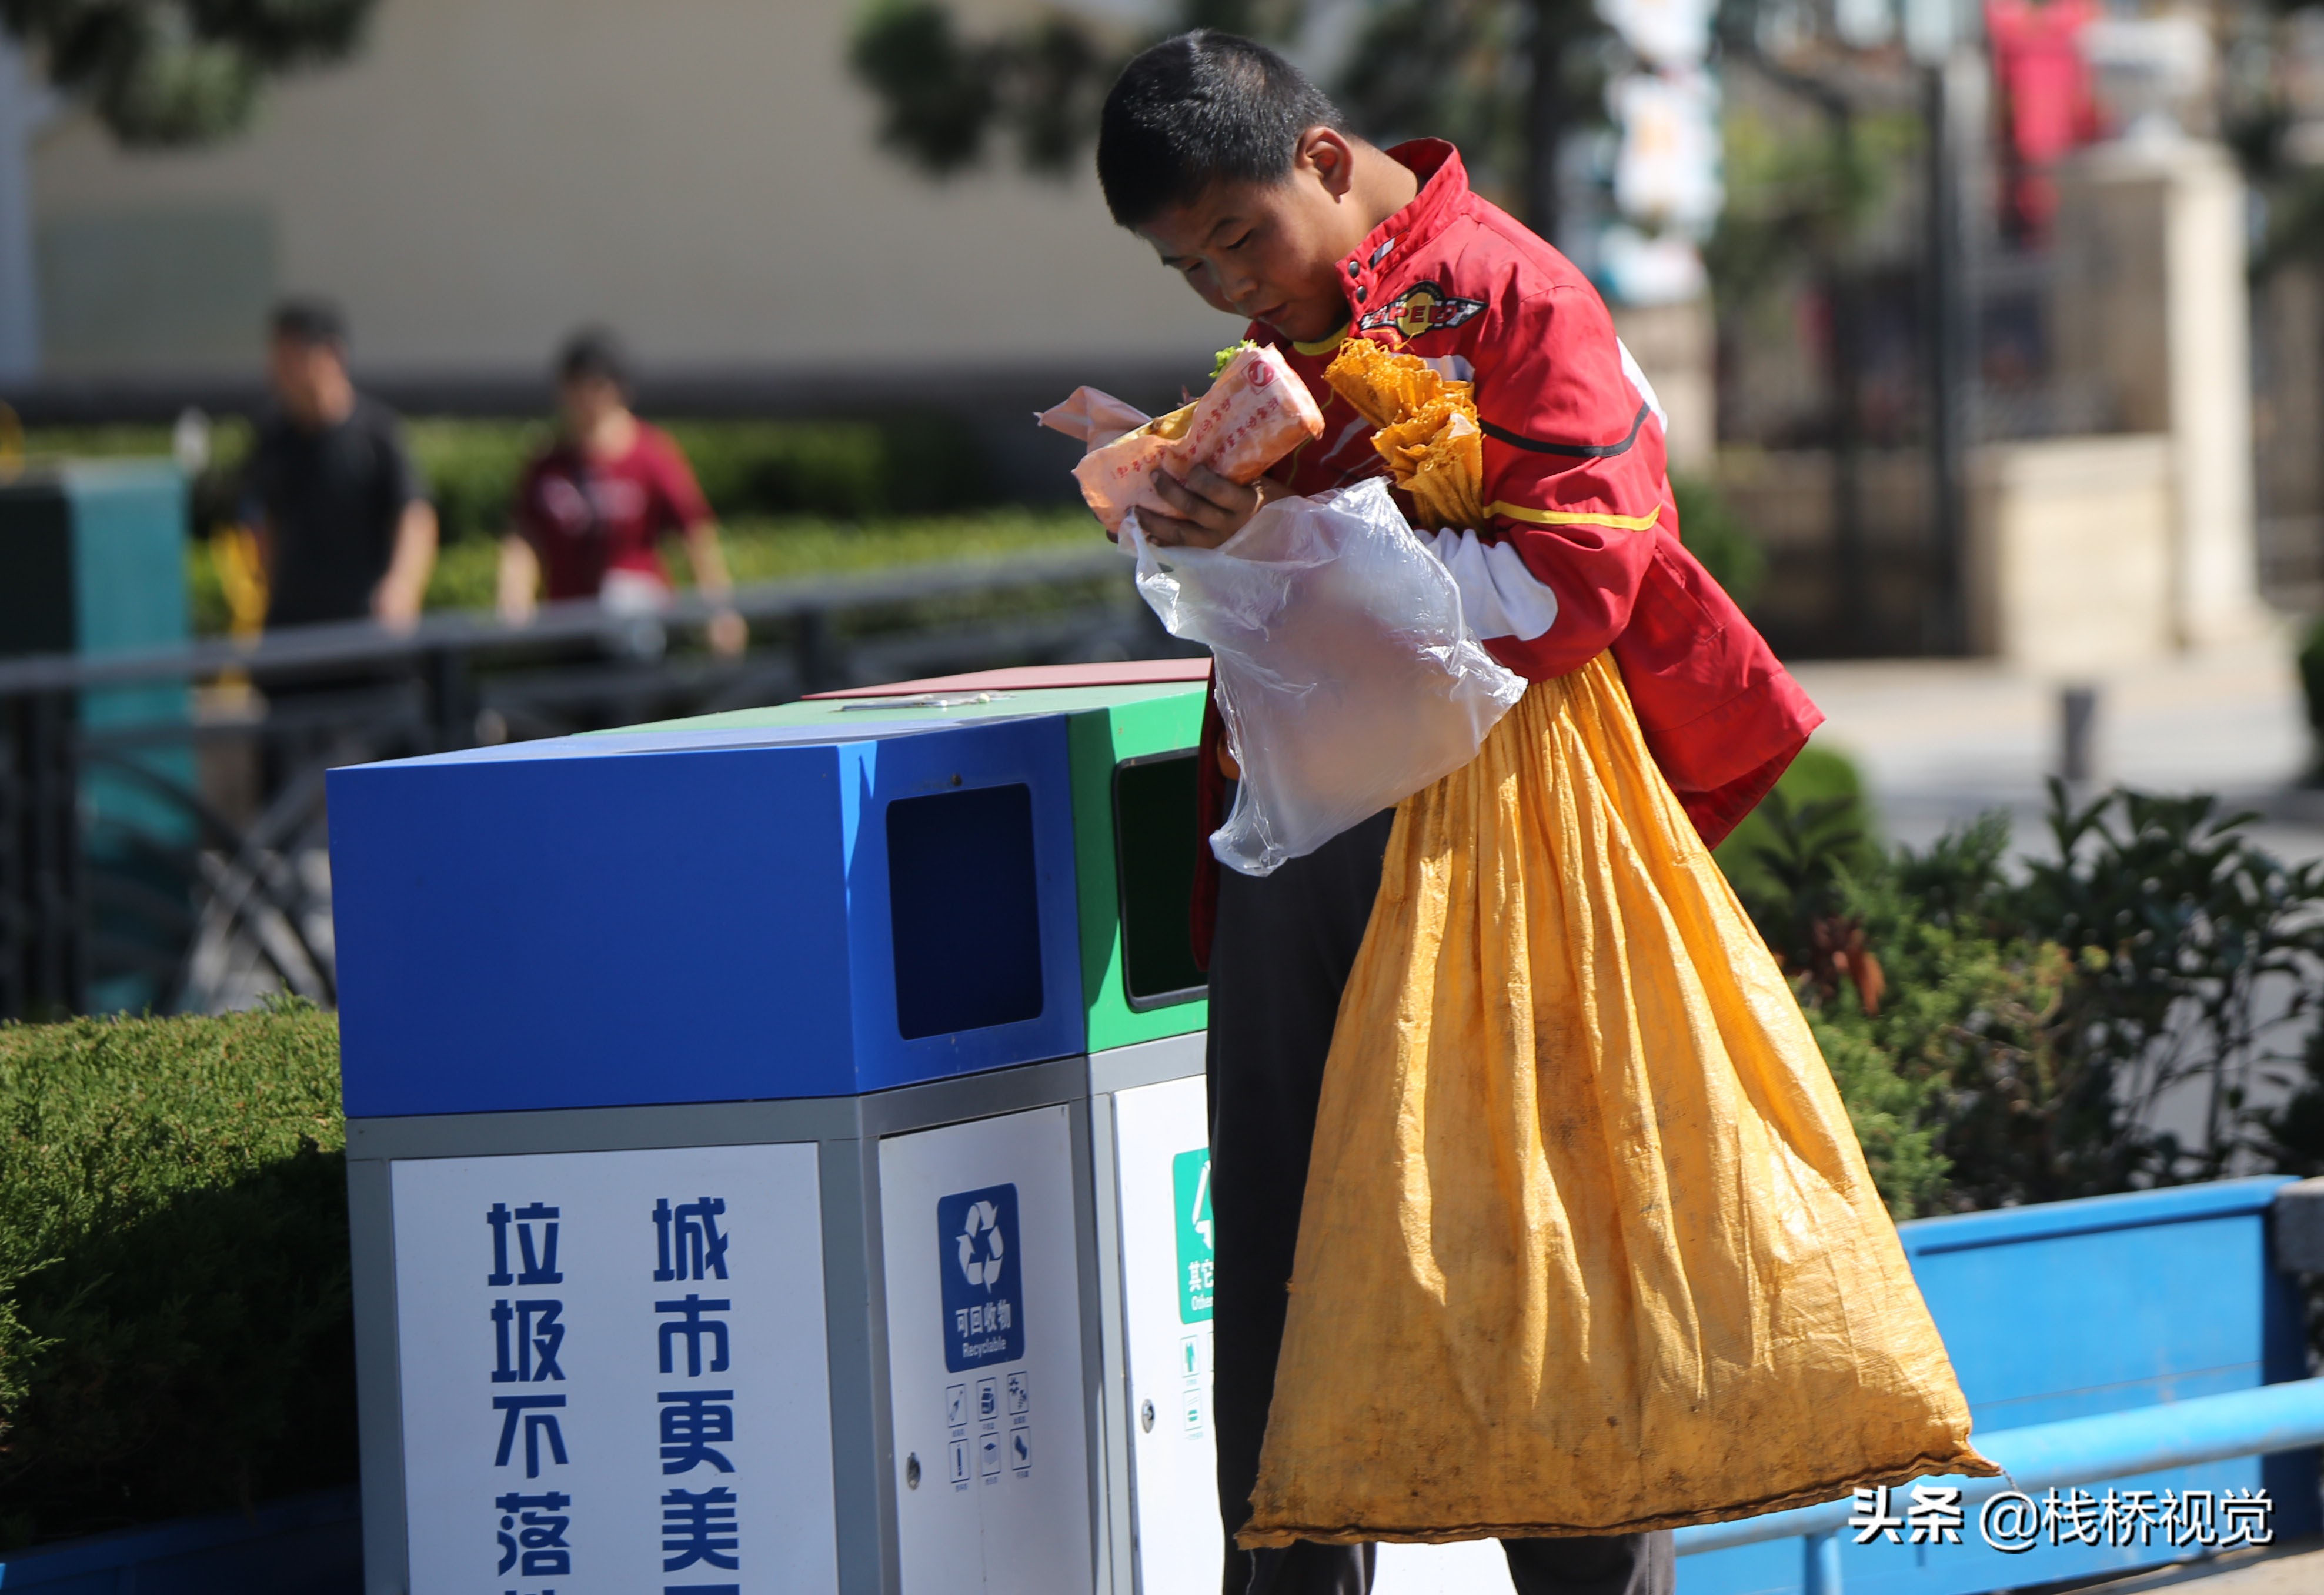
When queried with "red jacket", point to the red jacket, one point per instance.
{"points": [[1574, 481]]}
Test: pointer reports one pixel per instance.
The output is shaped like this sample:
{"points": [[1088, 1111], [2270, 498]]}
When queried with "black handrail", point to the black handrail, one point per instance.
{"points": [[341, 643], [124, 880]]}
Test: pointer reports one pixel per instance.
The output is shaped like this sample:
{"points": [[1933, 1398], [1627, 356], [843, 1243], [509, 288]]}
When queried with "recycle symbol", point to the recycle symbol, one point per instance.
{"points": [[986, 1270]]}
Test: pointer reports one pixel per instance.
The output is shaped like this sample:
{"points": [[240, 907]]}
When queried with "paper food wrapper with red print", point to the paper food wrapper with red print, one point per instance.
{"points": [[1257, 411]]}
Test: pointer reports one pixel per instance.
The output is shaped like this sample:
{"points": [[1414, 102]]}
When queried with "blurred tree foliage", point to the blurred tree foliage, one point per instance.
{"points": [[944, 95], [1800, 193], [1451, 68], [162, 72], [1463, 70]]}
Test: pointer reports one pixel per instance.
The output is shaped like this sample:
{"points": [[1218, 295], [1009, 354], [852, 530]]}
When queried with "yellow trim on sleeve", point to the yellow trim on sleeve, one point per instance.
{"points": [[1572, 517], [1323, 348]]}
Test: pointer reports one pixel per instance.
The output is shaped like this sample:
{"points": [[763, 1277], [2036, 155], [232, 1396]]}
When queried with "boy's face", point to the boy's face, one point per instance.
{"points": [[1271, 252]]}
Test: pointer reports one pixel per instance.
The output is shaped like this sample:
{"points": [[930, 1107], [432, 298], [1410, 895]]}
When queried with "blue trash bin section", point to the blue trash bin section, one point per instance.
{"points": [[1133, 727], [720, 1157], [651, 917]]}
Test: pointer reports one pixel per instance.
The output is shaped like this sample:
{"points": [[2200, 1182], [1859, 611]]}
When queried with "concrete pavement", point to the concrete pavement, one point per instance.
{"points": [[1942, 741]]}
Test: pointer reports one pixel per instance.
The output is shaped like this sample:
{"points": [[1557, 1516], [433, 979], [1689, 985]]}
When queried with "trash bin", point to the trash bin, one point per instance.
{"points": [[734, 1190], [1134, 729]]}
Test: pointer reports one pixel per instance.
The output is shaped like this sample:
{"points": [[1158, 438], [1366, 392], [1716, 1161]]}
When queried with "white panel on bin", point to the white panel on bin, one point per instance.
{"points": [[613, 1372], [1162, 1151], [984, 1356]]}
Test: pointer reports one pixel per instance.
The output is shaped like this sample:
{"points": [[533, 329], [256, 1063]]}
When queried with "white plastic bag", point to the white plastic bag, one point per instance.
{"points": [[1346, 677]]}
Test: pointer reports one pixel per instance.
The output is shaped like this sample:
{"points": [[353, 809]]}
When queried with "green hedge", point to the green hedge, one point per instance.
{"points": [[2005, 1029], [845, 470], [466, 574], [175, 1332]]}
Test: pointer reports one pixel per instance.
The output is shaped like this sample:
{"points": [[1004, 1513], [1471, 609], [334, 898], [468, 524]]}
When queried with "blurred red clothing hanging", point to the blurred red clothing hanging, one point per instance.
{"points": [[2046, 101]]}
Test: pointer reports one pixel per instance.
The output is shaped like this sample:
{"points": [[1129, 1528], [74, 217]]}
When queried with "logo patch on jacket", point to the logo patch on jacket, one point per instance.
{"points": [[1422, 307]]}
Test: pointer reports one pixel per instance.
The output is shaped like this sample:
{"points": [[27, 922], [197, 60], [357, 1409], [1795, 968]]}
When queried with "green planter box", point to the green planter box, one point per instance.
{"points": [[93, 562]]}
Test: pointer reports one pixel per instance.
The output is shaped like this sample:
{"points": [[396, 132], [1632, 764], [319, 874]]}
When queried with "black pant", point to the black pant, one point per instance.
{"points": [[1280, 958]]}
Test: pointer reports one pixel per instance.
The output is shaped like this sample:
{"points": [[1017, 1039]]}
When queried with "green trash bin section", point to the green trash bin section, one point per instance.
{"points": [[93, 562], [1140, 1114]]}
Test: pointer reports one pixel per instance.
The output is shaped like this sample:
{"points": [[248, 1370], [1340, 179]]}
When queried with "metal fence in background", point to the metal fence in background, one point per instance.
{"points": [[162, 830]]}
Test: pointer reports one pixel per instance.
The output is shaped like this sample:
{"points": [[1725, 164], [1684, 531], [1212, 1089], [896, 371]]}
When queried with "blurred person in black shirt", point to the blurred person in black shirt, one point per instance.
{"points": [[342, 516]]}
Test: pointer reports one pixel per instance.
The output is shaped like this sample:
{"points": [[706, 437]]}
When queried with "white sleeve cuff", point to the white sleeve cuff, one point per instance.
{"points": [[1500, 597]]}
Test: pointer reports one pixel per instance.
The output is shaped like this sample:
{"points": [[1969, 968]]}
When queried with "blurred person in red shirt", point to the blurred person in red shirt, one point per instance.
{"points": [[592, 509]]}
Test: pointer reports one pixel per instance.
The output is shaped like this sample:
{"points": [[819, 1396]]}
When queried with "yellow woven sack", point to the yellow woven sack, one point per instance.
{"points": [[1589, 1246]]}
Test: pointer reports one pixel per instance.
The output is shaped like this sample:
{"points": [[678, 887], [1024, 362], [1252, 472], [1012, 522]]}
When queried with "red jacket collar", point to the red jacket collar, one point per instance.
{"points": [[1443, 197]]}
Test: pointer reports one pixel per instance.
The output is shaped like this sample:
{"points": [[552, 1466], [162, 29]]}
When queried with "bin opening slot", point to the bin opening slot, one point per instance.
{"points": [[1154, 843], [963, 913]]}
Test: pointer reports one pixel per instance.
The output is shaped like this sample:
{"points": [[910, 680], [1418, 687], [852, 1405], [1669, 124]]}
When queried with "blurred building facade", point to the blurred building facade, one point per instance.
{"points": [[2142, 365], [489, 173], [706, 179]]}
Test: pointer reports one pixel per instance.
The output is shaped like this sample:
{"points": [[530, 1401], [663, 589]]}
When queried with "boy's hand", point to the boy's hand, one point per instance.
{"points": [[1211, 509]]}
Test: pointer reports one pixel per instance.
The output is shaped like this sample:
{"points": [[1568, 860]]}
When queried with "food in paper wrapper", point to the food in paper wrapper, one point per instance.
{"points": [[1255, 412], [1095, 417]]}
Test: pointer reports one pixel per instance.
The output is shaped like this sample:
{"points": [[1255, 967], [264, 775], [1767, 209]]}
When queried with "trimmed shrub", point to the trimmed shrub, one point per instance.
{"points": [[2009, 1031], [471, 468], [1715, 534], [468, 574], [844, 470], [175, 1330], [1823, 792]]}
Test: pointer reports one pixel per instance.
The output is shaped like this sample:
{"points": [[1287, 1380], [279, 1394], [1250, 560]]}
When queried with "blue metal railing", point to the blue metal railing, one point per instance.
{"points": [[2272, 1418]]}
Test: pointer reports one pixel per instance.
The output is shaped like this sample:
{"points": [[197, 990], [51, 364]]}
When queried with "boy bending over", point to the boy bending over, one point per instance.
{"points": [[1241, 175]]}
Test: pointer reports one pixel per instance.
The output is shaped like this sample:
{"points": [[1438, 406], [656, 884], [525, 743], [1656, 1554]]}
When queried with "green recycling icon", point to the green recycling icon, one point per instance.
{"points": [[1190, 1184]]}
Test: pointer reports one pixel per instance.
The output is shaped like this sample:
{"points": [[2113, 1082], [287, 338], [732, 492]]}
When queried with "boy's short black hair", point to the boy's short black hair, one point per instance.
{"points": [[1202, 108], [594, 353], [311, 323]]}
